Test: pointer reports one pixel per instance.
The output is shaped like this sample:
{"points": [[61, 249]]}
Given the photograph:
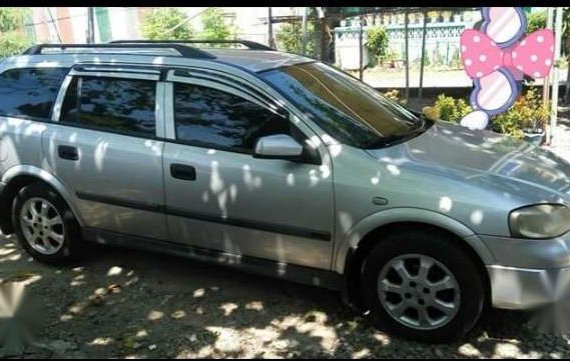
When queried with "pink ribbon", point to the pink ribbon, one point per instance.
{"points": [[532, 55]]}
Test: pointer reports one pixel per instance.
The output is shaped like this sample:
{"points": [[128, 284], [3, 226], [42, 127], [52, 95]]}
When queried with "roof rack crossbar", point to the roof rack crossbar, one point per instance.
{"points": [[252, 45], [185, 51]]}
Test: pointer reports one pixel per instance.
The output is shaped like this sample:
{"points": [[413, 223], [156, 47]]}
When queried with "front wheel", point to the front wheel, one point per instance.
{"points": [[45, 225], [422, 286]]}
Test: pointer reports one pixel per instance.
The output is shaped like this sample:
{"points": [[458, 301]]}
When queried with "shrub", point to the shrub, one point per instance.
{"points": [[377, 44], [527, 114], [289, 36], [451, 109]]}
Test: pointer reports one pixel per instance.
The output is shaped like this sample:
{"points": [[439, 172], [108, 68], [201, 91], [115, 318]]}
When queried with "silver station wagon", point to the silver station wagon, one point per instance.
{"points": [[281, 165]]}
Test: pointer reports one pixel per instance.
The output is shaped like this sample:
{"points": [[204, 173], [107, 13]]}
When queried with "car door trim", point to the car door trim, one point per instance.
{"points": [[229, 221]]}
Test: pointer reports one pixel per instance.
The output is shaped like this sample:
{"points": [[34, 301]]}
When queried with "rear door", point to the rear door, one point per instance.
{"points": [[106, 148]]}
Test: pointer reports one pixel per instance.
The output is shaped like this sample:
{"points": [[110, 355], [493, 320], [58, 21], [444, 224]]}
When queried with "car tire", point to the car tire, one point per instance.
{"points": [[45, 225], [441, 292]]}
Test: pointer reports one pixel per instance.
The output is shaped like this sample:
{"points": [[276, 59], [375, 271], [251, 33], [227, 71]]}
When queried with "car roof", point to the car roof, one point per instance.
{"points": [[250, 59], [257, 60]]}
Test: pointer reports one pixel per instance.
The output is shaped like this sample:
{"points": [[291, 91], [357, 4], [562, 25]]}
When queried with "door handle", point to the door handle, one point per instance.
{"points": [[182, 171], [67, 152]]}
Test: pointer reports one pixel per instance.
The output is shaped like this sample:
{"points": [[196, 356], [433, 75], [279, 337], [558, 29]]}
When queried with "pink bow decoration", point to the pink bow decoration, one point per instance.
{"points": [[533, 55]]}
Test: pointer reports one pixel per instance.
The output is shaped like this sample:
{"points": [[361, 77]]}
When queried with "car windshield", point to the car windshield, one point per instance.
{"points": [[348, 110]]}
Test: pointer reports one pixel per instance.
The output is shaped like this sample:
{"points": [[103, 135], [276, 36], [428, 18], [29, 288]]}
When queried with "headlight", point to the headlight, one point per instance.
{"points": [[540, 221]]}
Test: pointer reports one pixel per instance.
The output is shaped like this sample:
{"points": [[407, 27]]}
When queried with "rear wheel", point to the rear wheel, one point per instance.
{"points": [[45, 225], [422, 286]]}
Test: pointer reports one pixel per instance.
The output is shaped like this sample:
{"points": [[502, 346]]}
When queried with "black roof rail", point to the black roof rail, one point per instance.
{"points": [[252, 45], [185, 51]]}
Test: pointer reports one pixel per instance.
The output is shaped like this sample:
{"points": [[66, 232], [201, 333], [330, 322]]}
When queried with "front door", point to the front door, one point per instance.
{"points": [[218, 196]]}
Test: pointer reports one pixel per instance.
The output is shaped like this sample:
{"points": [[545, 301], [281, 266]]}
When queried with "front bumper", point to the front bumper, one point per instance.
{"points": [[527, 288], [528, 273]]}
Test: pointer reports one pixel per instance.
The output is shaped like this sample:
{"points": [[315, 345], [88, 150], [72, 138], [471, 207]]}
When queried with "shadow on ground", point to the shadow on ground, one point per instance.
{"points": [[125, 303]]}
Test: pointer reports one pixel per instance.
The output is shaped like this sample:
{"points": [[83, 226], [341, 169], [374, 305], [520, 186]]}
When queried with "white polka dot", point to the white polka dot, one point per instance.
{"points": [[533, 58], [547, 62], [540, 39], [520, 67], [476, 38], [468, 62], [482, 58], [493, 43], [463, 48], [523, 43], [495, 67], [537, 74], [514, 55], [479, 74]]}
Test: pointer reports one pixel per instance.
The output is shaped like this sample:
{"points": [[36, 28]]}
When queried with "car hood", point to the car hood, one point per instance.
{"points": [[465, 153]]}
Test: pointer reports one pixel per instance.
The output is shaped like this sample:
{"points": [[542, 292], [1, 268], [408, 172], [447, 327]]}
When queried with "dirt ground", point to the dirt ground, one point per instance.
{"points": [[131, 304]]}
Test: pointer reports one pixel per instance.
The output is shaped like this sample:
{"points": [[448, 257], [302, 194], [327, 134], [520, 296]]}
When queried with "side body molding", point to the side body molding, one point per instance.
{"points": [[351, 239], [34, 171]]}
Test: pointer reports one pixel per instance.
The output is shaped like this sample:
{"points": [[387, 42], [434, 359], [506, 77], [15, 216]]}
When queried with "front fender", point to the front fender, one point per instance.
{"points": [[351, 239]]}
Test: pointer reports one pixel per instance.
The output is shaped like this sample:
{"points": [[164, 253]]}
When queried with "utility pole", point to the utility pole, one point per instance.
{"points": [[360, 50], [304, 39], [407, 56], [423, 58], [270, 39], [90, 25]]}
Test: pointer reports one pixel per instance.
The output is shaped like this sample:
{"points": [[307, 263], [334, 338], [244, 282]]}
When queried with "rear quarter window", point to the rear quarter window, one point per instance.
{"points": [[30, 92]]}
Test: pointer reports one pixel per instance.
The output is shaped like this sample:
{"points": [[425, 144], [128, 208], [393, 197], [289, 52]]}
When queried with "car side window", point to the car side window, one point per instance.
{"points": [[30, 92], [209, 117], [114, 104]]}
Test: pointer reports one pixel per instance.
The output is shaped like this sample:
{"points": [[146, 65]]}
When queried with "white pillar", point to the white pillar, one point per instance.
{"points": [[555, 69]]}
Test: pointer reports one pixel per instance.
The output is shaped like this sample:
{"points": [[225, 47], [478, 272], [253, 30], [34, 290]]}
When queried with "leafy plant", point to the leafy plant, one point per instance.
{"points": [[535, 21], [165, 24], [451, 109], [214, 26], [290, 37], [528, 114], [12, 39], [377, 44]]}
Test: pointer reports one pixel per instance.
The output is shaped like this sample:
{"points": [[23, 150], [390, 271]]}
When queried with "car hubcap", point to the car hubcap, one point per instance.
{"points": [[42, 225], [418, 291]]}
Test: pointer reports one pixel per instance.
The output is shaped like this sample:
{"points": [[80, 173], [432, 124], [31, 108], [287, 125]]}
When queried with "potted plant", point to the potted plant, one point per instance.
{"points": [[433, 15], [446, 16]]}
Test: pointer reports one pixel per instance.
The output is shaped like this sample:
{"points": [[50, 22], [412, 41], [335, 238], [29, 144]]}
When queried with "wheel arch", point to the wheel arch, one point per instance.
{"points": [[20, 176], [368, 232]]}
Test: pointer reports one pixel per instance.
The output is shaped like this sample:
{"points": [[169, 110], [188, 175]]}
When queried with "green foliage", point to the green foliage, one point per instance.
{"points": [[12, 38], [527, 114], [377, 44], [289, 36], [214, 26], [13, 43], [165, 24], [536, 20], [451, 109]]}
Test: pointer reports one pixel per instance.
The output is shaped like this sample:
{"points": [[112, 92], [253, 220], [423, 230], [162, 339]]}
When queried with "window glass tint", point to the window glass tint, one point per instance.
{"points": [[30, 92], [213, 118], [347, 109], [112, 104]]}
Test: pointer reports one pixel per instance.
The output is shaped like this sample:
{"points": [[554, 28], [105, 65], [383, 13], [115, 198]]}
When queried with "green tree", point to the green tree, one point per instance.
{"points": [[535, 21], [290, 37], [214, 26], [166, 24], [377, 43], [12, 38]]}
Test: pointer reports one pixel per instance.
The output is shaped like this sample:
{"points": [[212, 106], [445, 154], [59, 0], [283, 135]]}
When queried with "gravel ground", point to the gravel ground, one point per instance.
{"points": [[131, 304]]}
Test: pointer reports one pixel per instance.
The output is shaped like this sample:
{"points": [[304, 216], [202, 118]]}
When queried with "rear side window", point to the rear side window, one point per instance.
{"points": [[209, 117], [119, 105], [30, 92]]}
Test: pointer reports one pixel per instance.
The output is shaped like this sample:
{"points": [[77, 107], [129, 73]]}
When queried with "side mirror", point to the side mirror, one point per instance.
{"points": [[278, 146]]}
